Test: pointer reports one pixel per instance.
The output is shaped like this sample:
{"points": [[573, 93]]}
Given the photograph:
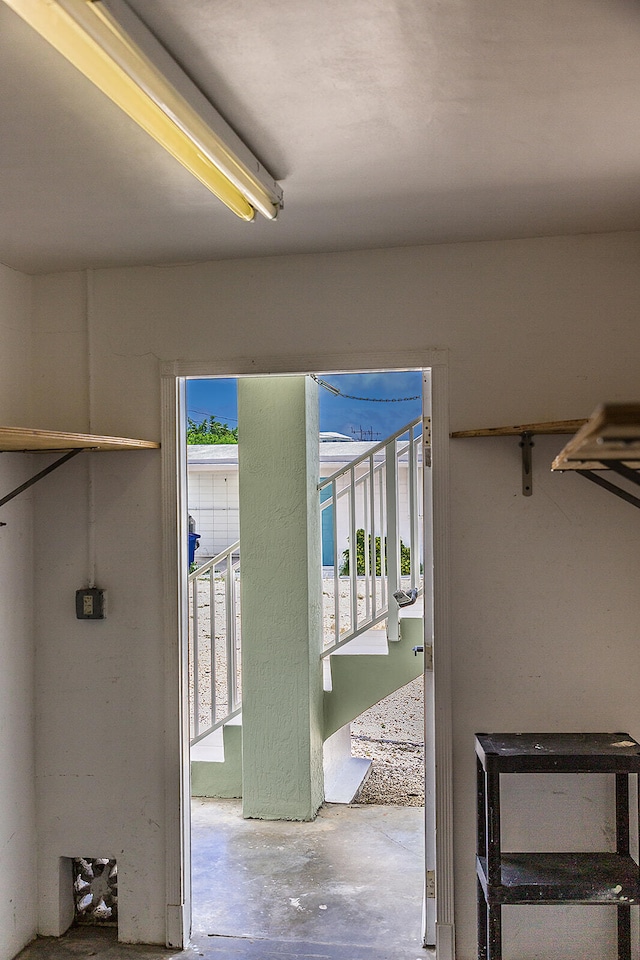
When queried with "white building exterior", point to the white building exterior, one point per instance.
{"points": [[214, 501]]}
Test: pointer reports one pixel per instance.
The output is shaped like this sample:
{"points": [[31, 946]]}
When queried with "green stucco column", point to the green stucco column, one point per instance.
{"points": [[280, 597]]}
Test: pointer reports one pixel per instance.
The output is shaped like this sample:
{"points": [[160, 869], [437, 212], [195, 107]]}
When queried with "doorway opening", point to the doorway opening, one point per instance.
{"points": [[361, 433]]}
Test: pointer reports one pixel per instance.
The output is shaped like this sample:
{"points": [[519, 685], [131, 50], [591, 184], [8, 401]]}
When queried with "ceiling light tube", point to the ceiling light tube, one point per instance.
{"points": [[107, 42]]}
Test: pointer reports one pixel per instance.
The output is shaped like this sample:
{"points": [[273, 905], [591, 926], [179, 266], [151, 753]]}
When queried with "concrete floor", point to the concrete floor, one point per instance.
{"points": [[346, 887]]}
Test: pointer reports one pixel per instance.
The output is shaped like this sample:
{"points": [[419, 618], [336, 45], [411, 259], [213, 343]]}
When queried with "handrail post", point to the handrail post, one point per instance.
{"points": [[372, 534], [336, 561], [414, 538], [196, 659], [224, 566], [384, 592], [212, 645], [393, 543], [353, 551], [237, 693], [230, 634]]}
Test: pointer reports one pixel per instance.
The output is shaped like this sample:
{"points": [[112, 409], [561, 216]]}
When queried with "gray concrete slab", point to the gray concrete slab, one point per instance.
{"points": [[347, 886], [353, 877]]}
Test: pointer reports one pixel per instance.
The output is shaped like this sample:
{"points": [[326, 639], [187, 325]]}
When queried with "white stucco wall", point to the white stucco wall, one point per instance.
{"points": [[18, 876], [545, 608], [213, 504]]}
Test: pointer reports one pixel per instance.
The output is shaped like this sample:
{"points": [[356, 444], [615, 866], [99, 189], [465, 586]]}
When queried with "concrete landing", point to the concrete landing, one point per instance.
{"points": [[101, 944], [349, 884]]}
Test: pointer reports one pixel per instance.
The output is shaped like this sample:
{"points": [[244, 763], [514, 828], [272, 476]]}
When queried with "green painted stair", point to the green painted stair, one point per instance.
{"points": [[216, 762], [360, 680]]}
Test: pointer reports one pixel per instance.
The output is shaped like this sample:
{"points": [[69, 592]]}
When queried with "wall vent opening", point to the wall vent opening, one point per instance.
{"points": [[95, 891]]}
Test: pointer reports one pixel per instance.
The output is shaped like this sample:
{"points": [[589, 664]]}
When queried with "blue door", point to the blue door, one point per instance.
{"points": [[327, 528]]}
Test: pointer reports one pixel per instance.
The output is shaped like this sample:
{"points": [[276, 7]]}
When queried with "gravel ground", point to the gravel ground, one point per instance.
{"points": [[391, 733]]}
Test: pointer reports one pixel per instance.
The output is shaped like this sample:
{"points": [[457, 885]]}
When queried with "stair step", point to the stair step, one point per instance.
{"points": [[210, 749], [345, 782], [414, 611], [371, 643]]}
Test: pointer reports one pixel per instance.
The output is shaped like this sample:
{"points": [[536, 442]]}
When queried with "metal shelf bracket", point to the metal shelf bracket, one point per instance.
{"points": [[38, 476], [622, 470], [526, 445]]}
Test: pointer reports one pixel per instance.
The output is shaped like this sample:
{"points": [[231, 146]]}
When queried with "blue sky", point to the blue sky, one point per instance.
{"points": [[355, 418]]}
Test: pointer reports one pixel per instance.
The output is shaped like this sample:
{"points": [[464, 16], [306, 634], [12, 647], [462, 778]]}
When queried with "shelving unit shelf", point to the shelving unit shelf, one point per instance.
{"points": [[600, 877]]}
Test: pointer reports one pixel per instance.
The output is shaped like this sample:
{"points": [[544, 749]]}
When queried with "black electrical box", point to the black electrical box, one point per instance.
{"points": [[90, 604]]}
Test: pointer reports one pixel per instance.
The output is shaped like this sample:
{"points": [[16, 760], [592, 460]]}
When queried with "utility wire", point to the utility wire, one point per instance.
{"points": [[208, 413], [348, 396]]}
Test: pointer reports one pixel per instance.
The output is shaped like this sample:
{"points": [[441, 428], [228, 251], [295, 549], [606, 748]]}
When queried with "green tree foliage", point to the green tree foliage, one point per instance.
{"points": [[211, 431], [405, 557]]}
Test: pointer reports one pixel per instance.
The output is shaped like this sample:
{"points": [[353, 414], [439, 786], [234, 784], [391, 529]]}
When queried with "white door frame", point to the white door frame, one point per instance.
{"points": [[177, 773]]}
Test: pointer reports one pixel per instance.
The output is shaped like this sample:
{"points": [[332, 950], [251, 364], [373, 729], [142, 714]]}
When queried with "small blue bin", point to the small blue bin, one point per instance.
{"points": [[193, 543]]}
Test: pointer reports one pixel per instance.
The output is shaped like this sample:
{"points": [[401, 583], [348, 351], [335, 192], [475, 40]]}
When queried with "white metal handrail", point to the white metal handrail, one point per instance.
{"points": [[364, 500], [366, 524], [214, 642]]}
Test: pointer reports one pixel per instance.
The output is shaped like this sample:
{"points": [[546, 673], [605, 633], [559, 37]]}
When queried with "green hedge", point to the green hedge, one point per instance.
{"points": [[405, 556]]}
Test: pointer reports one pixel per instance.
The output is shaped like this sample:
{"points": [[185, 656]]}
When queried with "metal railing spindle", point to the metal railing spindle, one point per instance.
{"points": [[196, 678], [212, 648], [220, 568], [353, 552], [367, 491]]}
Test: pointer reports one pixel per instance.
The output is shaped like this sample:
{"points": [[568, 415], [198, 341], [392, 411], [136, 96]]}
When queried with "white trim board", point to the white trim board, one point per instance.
{"points": [[296, 366], [177, 773], [442, 700]]}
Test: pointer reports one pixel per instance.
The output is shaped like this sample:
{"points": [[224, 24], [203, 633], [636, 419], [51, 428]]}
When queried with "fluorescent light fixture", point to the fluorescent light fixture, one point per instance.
{"points": [[107, 42]]}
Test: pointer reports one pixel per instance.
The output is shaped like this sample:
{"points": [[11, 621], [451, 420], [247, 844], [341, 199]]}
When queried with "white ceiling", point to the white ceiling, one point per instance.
{"points": [[388, 122]]}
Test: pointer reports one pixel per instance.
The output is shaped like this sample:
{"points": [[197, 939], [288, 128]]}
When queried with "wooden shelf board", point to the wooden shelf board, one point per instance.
{"points": [[23, 439], [561, 464], [612, 433], [552, 427]]}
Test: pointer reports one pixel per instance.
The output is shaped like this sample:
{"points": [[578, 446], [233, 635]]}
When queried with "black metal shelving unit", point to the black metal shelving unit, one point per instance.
{"points": [[609, 878]]}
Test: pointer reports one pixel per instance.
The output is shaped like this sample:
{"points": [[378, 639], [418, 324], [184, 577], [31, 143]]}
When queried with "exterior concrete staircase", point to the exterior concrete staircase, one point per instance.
{"points": [[361, 666], [356, 677]]}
